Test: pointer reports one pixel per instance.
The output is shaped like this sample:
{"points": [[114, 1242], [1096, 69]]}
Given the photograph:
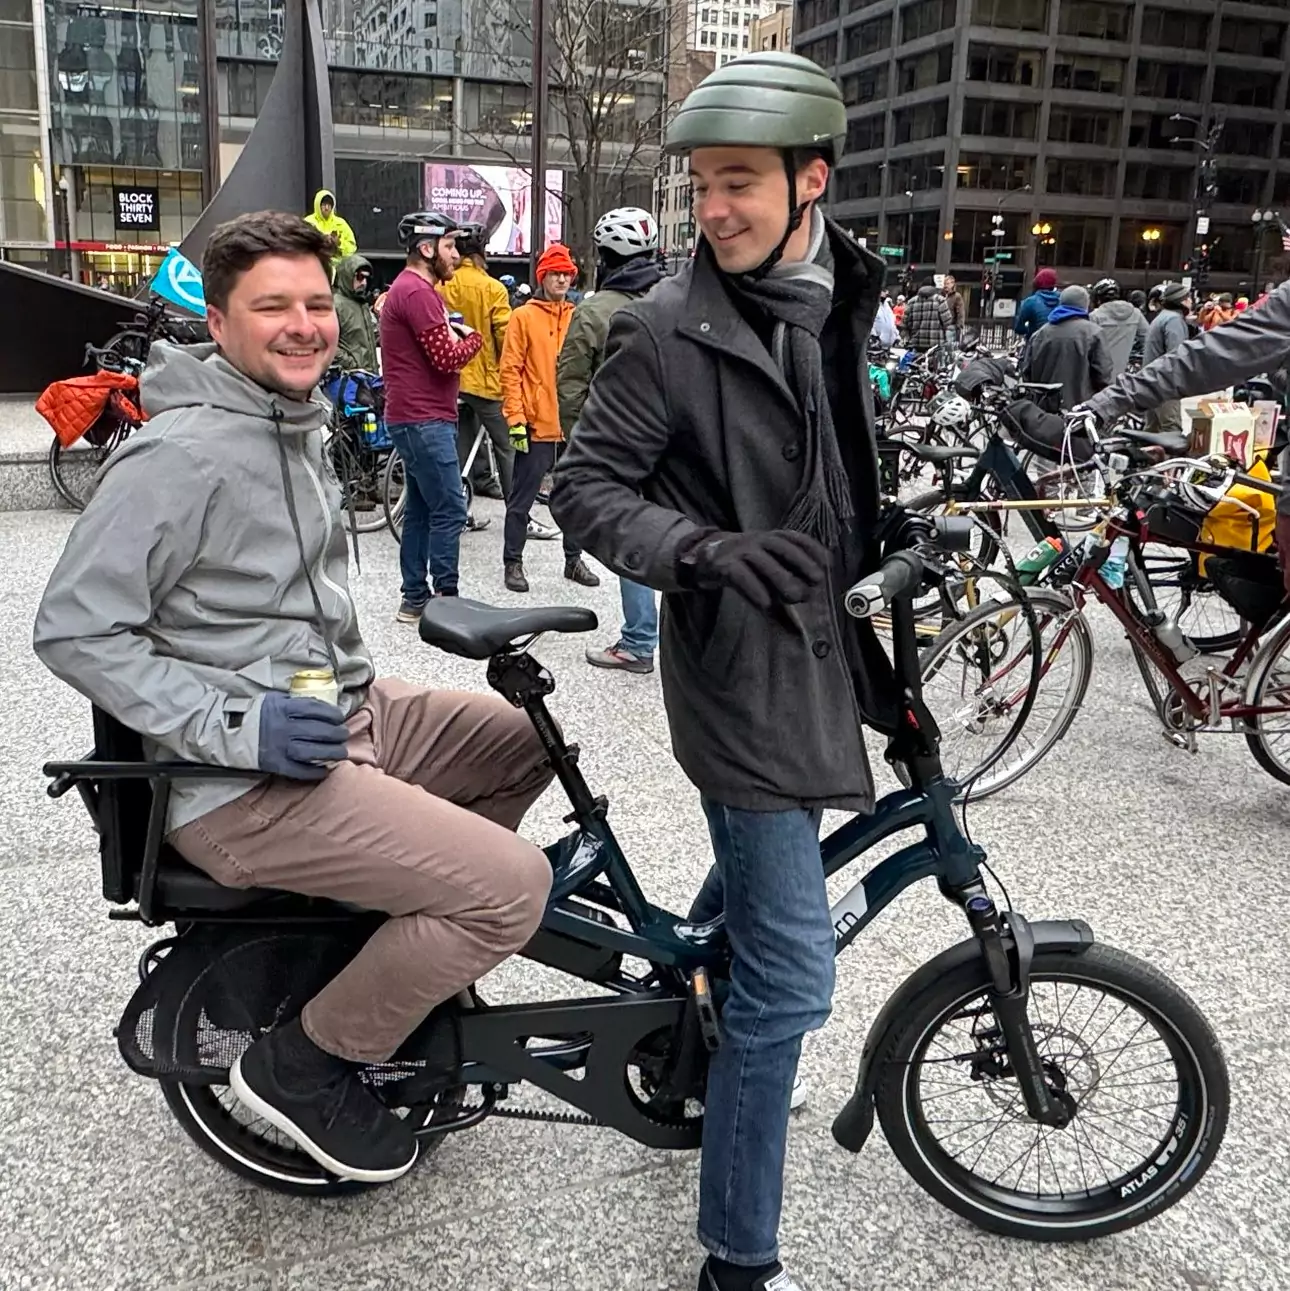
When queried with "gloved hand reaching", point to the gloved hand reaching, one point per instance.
{"points": [[520, 438], [775, 567], [299, 734]]}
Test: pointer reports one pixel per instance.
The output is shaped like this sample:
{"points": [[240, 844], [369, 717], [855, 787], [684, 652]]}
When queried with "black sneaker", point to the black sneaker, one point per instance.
{"points": [[410, 612], [576, 571], [513, 576], [343, 1126], [474, 525], [774, 1279]]}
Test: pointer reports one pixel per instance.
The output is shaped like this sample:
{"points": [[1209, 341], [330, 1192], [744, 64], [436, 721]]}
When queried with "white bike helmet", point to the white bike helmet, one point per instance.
{"points": [[950, 409], [627, 231]]}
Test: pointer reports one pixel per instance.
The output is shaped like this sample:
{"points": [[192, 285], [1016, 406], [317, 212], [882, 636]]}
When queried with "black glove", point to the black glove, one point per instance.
{"points": [[299, 736], [776, 567]]}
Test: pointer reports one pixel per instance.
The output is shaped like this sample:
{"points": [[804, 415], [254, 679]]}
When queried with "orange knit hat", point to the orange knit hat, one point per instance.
{"points": [[555, 259]]}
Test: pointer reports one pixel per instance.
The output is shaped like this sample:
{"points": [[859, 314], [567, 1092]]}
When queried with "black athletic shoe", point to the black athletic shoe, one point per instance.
{"points": [[577, 572], [774, 1279], [343, 1126]]}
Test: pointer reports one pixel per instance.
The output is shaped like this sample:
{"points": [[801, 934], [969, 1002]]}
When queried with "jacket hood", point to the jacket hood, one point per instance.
{"points": [[345, 272], [1050, 296], [927, 291], [318, 201], [1116, 311], [556, 307], [199, 376], [1063, 312], [636, 276]]}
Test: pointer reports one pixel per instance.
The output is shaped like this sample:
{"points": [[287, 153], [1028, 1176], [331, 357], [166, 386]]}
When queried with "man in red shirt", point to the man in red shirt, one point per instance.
{"points": [[421, 356]]}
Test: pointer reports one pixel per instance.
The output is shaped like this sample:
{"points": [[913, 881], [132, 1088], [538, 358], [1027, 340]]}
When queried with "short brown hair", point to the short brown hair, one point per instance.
{"points": [[239, 243]]}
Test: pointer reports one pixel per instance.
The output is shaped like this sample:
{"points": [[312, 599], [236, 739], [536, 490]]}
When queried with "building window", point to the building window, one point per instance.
{"points": [[1083, 125], [1100, 21], [18, 68], [1154, 260], [1244, 187], [926, 121], [926, 18], [867, 133], [1083, 178], [1251, 36], [1170, 80], [1016, 15], [1247, 138], [868, 37], [855, 183], [1245, 87], [1006, 120], [914, 174], [984, 170], [1003, 65], [865, 86], [974, 235], [811, 13], [1160, 183], [1081, 242], [1177, 28], [933, 68], [1231, 248], [822, 50], [1088, 72]]}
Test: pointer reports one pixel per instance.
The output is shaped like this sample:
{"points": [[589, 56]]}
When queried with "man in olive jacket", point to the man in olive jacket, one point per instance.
{"points": [[726, 456], [357, 348]]}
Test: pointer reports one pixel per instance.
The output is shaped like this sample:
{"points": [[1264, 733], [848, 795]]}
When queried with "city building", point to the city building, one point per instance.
{"points": [[1076, 127], [773, 28], [103, 121]]}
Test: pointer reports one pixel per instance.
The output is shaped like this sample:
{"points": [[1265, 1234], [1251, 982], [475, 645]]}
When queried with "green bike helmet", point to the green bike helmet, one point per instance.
{"points": [[766, 100]]}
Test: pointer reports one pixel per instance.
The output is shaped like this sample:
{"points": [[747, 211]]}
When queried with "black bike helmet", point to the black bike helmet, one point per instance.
{"points": [[1105, 289], [421, 226], [471, 239]]}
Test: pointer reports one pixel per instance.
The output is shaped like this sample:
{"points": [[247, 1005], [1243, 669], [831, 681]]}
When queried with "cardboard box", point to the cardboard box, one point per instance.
{"points": [[1267, 412], [1224, 428]]}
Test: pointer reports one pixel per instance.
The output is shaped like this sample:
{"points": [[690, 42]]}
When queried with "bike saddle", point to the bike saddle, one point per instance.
{"points": [[1175, 443], [940, 452], [476, 631]]}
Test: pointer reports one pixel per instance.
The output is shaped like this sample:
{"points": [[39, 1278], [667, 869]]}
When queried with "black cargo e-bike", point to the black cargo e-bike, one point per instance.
{"points": [[1030, 1078]]}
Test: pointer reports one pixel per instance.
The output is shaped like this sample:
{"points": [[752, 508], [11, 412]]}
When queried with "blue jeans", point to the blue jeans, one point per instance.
{"points": [[640, 619], [769, 880], [434, 509]]}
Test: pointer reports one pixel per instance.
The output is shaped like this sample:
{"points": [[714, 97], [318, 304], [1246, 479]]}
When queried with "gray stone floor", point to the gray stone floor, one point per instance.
{"points": [[1177, 858]]}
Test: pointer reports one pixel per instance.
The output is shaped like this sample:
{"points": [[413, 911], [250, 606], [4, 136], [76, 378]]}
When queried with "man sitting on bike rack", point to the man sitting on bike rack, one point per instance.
{"points": [[709, 463], [207, 571]]}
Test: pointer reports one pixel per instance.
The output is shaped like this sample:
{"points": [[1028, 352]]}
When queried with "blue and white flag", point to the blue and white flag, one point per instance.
{"points": [[180, 282]]}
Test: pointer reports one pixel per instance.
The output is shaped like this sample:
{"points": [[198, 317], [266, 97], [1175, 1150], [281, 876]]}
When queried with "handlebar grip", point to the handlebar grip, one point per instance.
{"points": [[899, 575]]}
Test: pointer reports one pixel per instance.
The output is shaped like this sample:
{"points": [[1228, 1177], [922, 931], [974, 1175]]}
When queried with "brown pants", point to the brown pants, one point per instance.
{"points": [[419, 822]]}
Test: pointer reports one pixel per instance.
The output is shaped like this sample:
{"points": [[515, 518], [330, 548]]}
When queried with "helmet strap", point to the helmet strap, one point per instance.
{"points": [[796, 212]]}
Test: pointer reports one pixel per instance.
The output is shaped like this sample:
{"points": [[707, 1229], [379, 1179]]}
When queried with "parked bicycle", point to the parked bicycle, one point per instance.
{"points": [[358, 443], [1031, 1079]]}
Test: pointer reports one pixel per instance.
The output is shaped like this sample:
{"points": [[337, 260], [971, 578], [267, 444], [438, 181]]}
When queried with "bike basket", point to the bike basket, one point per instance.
{"points": [[1249, 582], [372, 433], [1167, 517], [219, 987], [1043, 433]]}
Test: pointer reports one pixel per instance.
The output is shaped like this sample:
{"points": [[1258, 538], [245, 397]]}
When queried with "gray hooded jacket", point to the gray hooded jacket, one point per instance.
{"points": [[1123, 329], [180, 599]]}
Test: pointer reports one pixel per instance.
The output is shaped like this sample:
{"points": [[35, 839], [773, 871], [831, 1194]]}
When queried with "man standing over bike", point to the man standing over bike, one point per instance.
{"points": [[422, 354], [626, 241], [726, 455], [209, 569], [352, 294]]}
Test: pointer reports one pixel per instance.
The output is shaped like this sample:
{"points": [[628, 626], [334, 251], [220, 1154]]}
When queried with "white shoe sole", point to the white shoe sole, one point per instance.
{"points": [[253, 1102], [798, 1097]]}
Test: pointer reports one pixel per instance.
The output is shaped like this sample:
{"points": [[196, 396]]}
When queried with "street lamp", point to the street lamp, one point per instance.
{"points": [[1042, 232], [1150, 242], [1260, 220], [1206, 189]]}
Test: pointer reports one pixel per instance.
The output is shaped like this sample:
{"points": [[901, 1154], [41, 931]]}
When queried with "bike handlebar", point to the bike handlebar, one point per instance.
{"points": [[902, 573]]}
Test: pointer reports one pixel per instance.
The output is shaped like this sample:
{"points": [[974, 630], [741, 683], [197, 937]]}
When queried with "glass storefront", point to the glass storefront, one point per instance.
{"points": [[179, 203], [124, 83], [22, 177]]}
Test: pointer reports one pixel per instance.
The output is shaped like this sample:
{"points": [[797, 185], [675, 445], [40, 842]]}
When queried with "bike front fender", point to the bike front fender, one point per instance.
{"points": [[852, 1125]]}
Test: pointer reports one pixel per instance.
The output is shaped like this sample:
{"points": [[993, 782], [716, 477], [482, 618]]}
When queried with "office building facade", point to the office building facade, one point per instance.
{"points": [[1077, 127]]}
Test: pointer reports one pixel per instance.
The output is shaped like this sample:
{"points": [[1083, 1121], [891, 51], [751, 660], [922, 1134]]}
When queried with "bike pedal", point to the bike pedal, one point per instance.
{"points": [[705, 1009]]}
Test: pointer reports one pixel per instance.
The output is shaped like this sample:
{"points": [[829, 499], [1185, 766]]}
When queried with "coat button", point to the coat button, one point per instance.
{"points": [[632, 560], [792, 451], [705, 327], [820, 649]]}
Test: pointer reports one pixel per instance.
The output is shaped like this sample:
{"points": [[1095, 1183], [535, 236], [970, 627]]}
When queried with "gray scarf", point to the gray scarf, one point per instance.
{"points": [[798, 296]]}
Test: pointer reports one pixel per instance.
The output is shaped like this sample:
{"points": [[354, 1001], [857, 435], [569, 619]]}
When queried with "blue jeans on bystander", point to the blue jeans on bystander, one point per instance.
{"points": [[769, 880], [640, 619], [434, 510]]}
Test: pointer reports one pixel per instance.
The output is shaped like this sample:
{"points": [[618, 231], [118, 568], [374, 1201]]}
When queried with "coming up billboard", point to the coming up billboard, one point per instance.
{"points": [[496, 197]]}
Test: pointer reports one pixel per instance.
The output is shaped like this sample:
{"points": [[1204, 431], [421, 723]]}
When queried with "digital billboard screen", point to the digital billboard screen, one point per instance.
{"points": [[496, 197]]}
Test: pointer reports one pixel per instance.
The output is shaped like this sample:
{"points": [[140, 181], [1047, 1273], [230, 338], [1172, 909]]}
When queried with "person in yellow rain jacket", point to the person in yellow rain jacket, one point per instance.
{"points": [[325, 220]]}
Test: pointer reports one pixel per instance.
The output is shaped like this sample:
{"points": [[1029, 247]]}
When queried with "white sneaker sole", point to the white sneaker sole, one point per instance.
{"points": [[798, 1097], [253, 1102]]}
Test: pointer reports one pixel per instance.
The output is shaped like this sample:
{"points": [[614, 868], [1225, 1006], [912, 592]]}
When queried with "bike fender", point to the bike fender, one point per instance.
{"points": [[853, 1123]]}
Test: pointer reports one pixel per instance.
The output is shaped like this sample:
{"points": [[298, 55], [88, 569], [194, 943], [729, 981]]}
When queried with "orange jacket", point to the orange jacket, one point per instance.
{"points": [[533, 339]]}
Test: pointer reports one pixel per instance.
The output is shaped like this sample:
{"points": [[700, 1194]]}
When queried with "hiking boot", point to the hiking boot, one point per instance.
{"points": [[773, 1279], [576, 571], [476, 526], [409, 613], [318, 1101], [619, 657], [542, 532], [513, 574]]}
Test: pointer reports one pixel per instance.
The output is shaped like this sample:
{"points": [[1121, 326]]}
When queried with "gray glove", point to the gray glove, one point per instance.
{"points": [[298, 736]]}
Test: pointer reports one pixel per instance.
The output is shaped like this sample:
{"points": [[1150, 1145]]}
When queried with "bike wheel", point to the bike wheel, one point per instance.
{"points": [[360, 475], [132, 345], [979, 683], [1067, 484], [1183, 595], [216, 1121], [74, 472], [392, 500], [1268, 687], [1123, 1046]]}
